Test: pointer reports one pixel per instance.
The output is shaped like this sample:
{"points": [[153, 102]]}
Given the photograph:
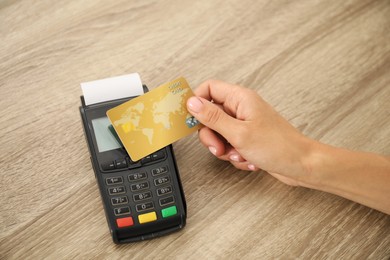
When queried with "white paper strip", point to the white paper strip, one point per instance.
{"points": [[102, 90]]}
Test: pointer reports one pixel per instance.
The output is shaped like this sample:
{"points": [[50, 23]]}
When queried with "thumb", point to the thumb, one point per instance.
{"points": [[211, 116]]}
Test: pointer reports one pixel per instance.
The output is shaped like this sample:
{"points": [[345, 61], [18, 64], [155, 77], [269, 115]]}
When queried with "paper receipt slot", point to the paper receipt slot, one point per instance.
{"points": [[142, 199]]}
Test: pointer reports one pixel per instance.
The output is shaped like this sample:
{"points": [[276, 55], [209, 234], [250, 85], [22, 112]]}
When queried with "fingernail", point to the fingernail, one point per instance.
{"points": [[194, 104], [251, 167], [235, 157], [213, 150]]}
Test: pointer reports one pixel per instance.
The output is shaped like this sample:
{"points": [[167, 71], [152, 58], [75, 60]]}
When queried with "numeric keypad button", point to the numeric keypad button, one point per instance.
{"points": [[159, 170], [142, 196], [144, 206], [114, 180], [119, 200], [166, 201], [139, 186], [137, 176], [121, 211], [116, 190], [164, 190], [162, 180]]}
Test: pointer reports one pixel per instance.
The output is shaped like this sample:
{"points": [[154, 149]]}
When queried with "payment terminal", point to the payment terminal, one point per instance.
{"points": [[142, 199]]}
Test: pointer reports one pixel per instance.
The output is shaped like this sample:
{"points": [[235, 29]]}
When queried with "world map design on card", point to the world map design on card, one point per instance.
{"points": [[154, 120]]}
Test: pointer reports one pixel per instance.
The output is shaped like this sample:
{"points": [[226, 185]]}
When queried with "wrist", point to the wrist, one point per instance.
{"points": [[311, 160], [332, 169], [359, 176]]}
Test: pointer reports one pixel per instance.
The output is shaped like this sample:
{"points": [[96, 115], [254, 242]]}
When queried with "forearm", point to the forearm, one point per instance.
{"points": [[358, 176]]}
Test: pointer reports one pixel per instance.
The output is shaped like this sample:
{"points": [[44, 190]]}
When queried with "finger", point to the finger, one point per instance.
{"points": [[218, 145], [245, 166], [213, 117], [214, 90], [212, 141], [229, 96], [231, 154]]}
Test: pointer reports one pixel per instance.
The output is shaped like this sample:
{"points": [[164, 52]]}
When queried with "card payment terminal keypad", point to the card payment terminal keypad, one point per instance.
{"points": [[134, 195]]}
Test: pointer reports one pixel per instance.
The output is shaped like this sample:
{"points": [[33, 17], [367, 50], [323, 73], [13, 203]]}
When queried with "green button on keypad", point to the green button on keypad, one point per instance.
{"points": [[169, 212]]}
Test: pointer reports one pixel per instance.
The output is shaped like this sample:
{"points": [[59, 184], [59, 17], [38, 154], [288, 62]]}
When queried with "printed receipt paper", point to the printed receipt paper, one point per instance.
{"points": [[154, 120]]}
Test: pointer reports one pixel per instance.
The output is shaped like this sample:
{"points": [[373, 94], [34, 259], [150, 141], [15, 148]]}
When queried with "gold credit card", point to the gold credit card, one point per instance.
{"points": [[154, 120]]}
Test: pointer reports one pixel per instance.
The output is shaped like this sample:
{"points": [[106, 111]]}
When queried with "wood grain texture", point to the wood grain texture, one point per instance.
{"points": [[324, 65]]}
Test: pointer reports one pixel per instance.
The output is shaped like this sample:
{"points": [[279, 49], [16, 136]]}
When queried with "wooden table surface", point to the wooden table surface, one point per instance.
{"points": [[324, 65]]}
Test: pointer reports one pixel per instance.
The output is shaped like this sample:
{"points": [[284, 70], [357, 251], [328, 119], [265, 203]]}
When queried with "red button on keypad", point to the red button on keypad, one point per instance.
{"points": [[124, 222]]}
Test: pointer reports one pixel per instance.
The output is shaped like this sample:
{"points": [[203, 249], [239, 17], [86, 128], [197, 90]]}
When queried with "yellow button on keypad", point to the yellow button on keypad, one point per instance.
{"points": [[148, 217]]}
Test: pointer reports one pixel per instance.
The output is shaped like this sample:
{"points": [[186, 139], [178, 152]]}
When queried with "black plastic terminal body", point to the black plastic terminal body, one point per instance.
{"points": [[116, 174]]}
